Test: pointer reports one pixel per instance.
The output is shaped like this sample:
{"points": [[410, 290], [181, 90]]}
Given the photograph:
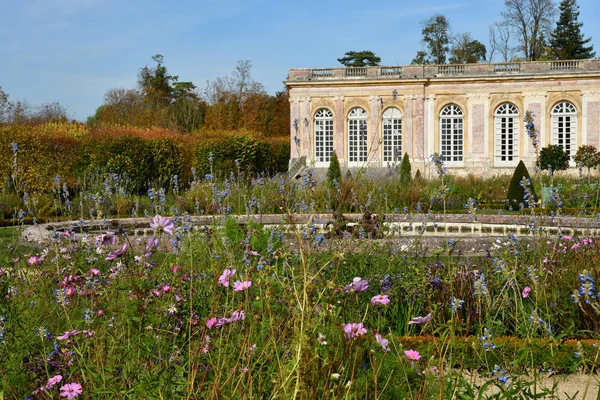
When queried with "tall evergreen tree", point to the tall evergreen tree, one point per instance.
{"points": [[567, 40]]}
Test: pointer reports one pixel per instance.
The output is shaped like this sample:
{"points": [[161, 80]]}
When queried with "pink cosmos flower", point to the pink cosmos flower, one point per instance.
{"points": [[241, 286], [53, 381], [354, 330], [412, 355], [150, 245], [381, 299], [420, 320], [238, 315], [71, 390], [117, 253], [68, 334], [95, 272], [254, 253], [211, 322], [525, 292], [175, 268], [100, 313], [162, 223], [567, 238], [225, 277], [575, 246], [108, 238], [384, 343], [33, 260], [358, 285]]}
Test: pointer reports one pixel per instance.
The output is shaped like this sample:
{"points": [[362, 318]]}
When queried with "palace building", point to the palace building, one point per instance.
{"points": [[472, 114]]}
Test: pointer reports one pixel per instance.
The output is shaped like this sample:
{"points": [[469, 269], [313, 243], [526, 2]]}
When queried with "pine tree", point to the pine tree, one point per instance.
{"points": [[405, 170], [516, 191], [567, 40], [334, 172]]}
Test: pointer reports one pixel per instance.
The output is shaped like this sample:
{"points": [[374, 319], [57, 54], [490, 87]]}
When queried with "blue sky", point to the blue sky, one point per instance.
{"points": [[73, 51]]}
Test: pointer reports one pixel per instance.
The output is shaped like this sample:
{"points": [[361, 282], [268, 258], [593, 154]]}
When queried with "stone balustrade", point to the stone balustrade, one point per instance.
{"points": [[524, 68]]}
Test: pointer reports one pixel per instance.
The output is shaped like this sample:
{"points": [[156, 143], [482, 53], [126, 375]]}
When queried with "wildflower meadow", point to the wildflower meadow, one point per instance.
{"points": [[315, 306]]}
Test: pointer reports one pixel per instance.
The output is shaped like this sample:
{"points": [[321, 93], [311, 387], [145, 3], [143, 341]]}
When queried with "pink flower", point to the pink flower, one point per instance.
{"points": [[567, 238], [95, 272], [33, 260], [162, 223], [383, 342], [53, 381], [238, 315], [254, 253], [150, 245], [117, 253], [68, 334], [166, 288], [241, 286], [225, 277], [412, 355], [175, 268], [526, 291], [71, 390], [420, 320], [358, 285], [354, 330], [211, 322], [100, 313], [382, 299], [575, 246], [107, 238]]}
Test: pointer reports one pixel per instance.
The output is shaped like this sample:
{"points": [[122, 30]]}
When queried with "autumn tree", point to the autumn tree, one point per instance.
{"points": [[364, 58], [567, 41], [531, 21], [436, 40]]}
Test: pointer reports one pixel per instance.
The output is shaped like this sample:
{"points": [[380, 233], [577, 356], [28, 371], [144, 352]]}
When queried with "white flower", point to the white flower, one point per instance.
{"points": [[321, 339]]}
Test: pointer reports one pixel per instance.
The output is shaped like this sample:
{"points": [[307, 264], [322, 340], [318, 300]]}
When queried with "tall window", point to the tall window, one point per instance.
{"points": [[506, 135], [357, 135], [392, 135], [451, 132], [323, 135], [564, 127]]}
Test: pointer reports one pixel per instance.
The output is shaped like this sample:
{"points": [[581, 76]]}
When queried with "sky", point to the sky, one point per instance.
{"points": [[73, 51]]}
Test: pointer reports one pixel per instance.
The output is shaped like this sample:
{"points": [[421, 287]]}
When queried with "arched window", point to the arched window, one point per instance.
{"points": [[357, 135], [323, 135], [451, 132], [506, 135], [392, 135], [564, 127]]}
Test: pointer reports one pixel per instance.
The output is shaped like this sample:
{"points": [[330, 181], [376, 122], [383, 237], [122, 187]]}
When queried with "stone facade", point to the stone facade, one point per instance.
{"points": [[472, 114]]}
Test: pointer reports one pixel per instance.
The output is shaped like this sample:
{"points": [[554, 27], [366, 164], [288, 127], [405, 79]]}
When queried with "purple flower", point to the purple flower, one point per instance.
{"points": [[108, 238], [412, 355], [354, 330], [117, 253], [162, 223], [211, 322], [384, 343], [241, 286], [67, 335], [381, 299], [150, 245], [225, 276], [358, 285], [420, 320], [525, 292]]}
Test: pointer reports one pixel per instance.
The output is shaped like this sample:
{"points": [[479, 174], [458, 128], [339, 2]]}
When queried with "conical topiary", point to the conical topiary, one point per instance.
{"points": [[516, 191], [334, 172], [405, 170]]}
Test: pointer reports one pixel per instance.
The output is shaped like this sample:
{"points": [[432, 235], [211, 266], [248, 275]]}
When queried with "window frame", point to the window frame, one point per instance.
{"points": [[452, 122], [507, 116]]}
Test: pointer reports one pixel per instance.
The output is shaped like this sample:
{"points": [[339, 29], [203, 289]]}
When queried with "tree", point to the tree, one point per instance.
{"points": [[553, 158], [531, 21], [359, 59], [435, 37], [516, 191], [500, 41], [567, 42], [156, 83], [465, 50], [588, 157], [4, 106]]}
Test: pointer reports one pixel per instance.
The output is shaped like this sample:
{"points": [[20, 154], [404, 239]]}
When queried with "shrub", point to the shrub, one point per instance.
{"points": [[334, 172], [405, 171], [516, 191]]}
